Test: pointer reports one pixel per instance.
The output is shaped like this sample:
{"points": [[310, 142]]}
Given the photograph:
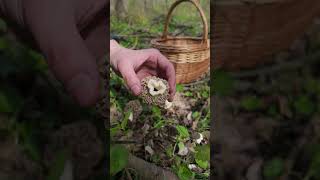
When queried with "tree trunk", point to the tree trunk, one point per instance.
{"points": [[121, 8]]}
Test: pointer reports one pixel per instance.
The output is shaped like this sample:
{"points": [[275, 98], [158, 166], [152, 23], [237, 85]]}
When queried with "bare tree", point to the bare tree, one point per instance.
{"points": [[121, 8]]}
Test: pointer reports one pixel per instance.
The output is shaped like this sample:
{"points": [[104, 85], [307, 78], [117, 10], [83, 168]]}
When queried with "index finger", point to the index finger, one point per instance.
{"points": [[170, 74]]}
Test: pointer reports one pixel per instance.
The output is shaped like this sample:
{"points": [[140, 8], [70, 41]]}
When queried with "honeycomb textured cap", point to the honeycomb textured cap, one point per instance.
{"points": [[135, 107], [157, 97]]}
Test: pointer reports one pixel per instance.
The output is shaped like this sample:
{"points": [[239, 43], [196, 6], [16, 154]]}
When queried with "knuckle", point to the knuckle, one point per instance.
{"points": [[155, 51]]}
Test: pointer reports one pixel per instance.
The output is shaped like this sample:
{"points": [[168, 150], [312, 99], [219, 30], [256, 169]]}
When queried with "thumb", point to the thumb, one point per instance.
{"points": [[55, 31], [130, 77]]}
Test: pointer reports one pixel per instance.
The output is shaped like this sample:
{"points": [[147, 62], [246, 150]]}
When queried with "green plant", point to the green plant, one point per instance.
{"points": [[202, 156], [222, 83], [10, 99], [195, 115], [188, 94], [159, 124], [251, 103], [58, 165], [183, 132], [304, 106], [179, 88], [184, 172], [118, 158], [273, 169], [125, 120], [313, 151]]}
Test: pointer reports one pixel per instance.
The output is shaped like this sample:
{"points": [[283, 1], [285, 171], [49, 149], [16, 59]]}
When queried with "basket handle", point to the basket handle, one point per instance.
{"points": [[203, 17]]}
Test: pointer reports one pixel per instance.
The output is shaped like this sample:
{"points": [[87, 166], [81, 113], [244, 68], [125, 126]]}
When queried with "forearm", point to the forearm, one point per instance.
{"points": [[114, 50], [114, 47]]}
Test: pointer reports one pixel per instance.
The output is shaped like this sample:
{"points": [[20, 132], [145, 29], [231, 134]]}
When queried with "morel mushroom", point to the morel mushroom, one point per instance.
{"points": [[155, 91], [136, 109]]}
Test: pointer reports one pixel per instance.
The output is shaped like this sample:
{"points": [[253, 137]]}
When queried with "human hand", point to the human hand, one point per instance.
{"points": [[134, 65], [71, 34]]}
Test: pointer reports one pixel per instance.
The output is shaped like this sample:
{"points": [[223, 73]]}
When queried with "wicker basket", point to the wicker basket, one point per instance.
{"points": [[249, 32], [189, 55]]}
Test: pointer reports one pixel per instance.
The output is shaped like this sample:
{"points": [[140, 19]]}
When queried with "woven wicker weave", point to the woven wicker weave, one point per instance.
{"points": [[249, 32], [189, 55]]}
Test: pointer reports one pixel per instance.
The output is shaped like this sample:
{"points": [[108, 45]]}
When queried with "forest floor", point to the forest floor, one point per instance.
{"points": [[166, 138]]}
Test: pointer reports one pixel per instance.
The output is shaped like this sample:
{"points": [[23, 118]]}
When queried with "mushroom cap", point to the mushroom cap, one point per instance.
{"points": [[155, 91], [135, 107]]}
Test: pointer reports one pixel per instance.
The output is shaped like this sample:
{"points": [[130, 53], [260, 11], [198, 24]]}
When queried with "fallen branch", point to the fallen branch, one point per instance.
{"points": [[202, 81], [148, 170]]}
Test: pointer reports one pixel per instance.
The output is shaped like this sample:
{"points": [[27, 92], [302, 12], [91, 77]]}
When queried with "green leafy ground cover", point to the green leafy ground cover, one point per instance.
{"points": [[165, 132]]}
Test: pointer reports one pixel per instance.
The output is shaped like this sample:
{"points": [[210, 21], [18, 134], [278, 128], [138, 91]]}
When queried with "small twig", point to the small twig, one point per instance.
{"points": [[202, 81], [174, 148]]}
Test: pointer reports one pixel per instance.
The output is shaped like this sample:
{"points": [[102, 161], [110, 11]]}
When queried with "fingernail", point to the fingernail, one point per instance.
{"points": [[136, 90], [83, 89]]}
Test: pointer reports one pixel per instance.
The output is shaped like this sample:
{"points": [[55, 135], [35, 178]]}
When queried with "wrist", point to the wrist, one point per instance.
{"points": [[115, 48]]}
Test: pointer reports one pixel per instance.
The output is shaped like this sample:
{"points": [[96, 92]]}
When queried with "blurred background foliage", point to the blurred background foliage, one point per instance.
{"points": [[135, 22], [267, 117], [33, 107]]}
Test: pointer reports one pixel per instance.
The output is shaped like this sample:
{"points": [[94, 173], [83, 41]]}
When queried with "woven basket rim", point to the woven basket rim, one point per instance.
{"points": [[201, 46]]}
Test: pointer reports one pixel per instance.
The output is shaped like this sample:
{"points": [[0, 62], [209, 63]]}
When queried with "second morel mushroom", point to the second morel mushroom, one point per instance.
{"points": [[135, 107], [155, 91]]}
